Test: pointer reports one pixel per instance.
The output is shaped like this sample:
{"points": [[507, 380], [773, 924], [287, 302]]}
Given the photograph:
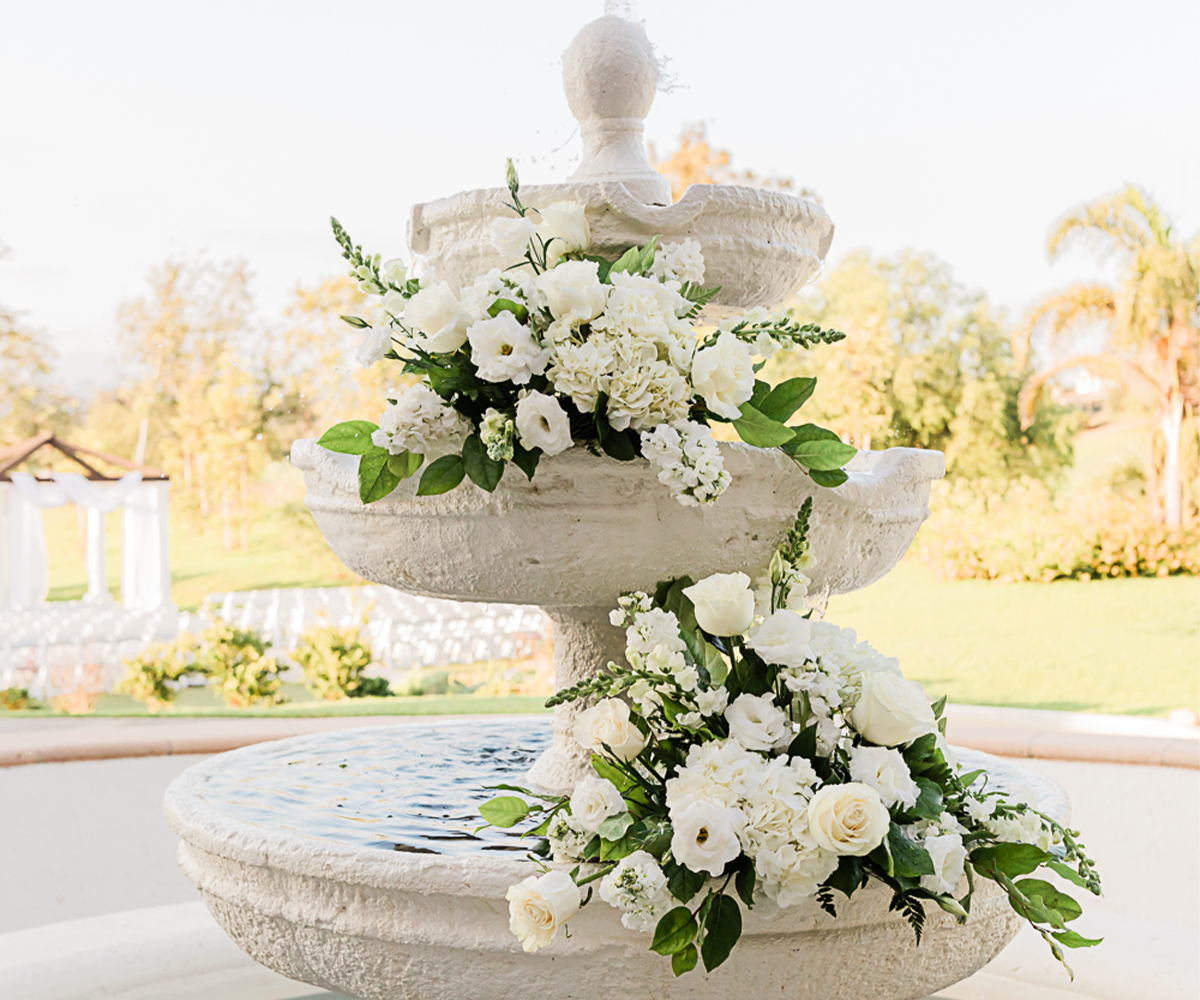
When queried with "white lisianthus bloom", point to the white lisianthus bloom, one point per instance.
{"points": [[511, 236], [594, 800], [892, 710], [421, 423], [395, 271], [638, 888], [724, 603], [439, 317], [606, 724], [886, 772], [504, 350], [564, 227], [949, 859], [724, 375], [539, 906], [756, 723], [705, 837], [783, 639], [374, 346], [543, 423], [567, 837], [713, 701], [573, 291], [848, 819]]}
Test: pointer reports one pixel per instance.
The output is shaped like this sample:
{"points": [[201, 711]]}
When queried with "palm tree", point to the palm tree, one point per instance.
{"points": [[1151, 317]]}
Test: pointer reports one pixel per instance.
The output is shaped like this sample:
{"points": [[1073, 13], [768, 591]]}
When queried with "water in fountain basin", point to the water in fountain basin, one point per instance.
{"points": [[407, 787]]}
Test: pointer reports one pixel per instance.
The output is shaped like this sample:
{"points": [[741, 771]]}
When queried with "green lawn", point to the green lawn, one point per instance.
{"points": [[1130, 647]]}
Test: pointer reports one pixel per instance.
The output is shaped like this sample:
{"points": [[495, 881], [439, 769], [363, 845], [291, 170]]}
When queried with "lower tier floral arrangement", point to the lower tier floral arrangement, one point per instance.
{"points": [[759, 754]]}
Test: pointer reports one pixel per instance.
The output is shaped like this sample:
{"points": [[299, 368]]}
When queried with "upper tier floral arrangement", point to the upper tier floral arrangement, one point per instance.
{"points": [[566, 348]]}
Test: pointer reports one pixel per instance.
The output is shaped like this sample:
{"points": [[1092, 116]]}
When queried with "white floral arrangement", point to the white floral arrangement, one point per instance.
{"points": [[753, 755], [566, 348]]}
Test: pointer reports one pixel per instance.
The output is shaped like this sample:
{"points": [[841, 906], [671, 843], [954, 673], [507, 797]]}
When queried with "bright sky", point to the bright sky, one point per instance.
{"points": [[133, 131]]}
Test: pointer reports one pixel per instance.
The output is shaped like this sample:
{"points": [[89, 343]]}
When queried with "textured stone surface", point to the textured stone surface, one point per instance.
{"points": [[384, 926]]}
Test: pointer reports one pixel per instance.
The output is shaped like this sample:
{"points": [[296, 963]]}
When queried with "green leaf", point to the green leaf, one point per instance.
{"points": [[351, 438], [504, 811], [614, 850], [1072, 939], [647, 255], [614, 827], [929, 802], [786, 398], [650, 835], [819, 449], [607, 769], [939, 707], [909, 860], [1010, 859], [682, 881], [684, 961], [356, 321], [619, 445], [508, 305], [848, 876], [827, 479], [442, 476], [485, 472], [759, 430], [526, 459], [1036, 888], [375, 479], [744, 883], [715, 664], [405, 464], [722, 928], [629, 261], [675, 931], [1067, 872]]}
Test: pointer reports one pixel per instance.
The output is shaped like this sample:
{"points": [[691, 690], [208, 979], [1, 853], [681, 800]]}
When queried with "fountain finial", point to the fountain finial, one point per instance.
{"points": [[610, 75]]}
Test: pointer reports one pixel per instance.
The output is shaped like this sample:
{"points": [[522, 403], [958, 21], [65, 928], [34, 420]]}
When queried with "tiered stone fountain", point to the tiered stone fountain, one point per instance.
{"points": [[305, 888]]}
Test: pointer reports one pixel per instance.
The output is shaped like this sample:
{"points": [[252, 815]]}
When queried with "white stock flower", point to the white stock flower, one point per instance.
{"points": [[539, 906], [439, 317], [848, 819], [949, 859], [886, 772], [689, 461], [756, 723], [783, 639], [892, 710], [594, 800], [713, 701], [638, 888], [705, 837], [504, 350], [607, 724], [543, 423], [645, 696], [511, 235], [724, 603], [651, 629], [573, 291], [980, 810], [496, 434], [567, 837], [724, 375], [394, 270], [375, 344], [564, 227], [766, 345], [421, 423]]}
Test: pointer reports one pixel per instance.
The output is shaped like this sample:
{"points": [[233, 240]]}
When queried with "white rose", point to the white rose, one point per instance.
{"points": [[892, 710], [565, 228], [886, 772], [756, 723], [607, 724], [848, 819], [594, 800], [436, 313], [539, 906], [724, 375], [504, 350], [573, 290], [511, 236], [543, 423], [949, 857], [395, 271], [783, 639], [724, 603], [705, 836]]}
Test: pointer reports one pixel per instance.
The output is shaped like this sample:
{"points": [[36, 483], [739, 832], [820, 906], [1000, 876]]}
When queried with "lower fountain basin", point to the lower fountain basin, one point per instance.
{"points": [[293, 845]]}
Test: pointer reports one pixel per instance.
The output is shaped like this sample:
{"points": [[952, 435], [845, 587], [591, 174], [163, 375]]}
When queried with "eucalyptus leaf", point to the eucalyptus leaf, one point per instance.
{"points": [[1010, 859], [526, 459], [1051, 897], [629, 261], [441, 476], [375, 479], [508, 305], [350, 438], [829, 480], [682, 882], [1073, 939]]}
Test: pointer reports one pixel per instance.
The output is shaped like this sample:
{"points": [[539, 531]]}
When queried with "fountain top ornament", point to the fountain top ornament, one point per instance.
{"points": [[760, 247]]}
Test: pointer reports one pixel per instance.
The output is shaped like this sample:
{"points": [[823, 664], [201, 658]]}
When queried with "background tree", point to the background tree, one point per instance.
{"points": [[697, 162], [1151, 322]]}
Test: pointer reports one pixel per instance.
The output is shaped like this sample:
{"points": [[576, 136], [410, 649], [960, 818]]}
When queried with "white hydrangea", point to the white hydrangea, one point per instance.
{"points": [[638, 888], [794, 871], [644, 391], [567, 838], [421, 423], [722, 772], [689, 461], [776, 808], [683, 262], [582, 371]]}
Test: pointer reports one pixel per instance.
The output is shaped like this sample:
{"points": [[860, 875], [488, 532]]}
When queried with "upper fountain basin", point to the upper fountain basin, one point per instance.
{"points": [[760, 247], [588, 528]]}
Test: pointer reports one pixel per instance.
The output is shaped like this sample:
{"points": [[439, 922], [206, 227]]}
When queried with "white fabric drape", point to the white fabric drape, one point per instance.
{"points": [[97, 501], [145, 549]]}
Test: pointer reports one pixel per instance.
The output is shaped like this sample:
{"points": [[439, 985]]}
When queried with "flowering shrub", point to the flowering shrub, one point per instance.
{"points": [[1015, 534], [563, 348], [154, 676], [333, 660], [762, 755]]}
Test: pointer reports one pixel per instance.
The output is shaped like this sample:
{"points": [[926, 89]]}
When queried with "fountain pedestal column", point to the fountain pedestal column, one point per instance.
{"points": [[584, 643]]}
